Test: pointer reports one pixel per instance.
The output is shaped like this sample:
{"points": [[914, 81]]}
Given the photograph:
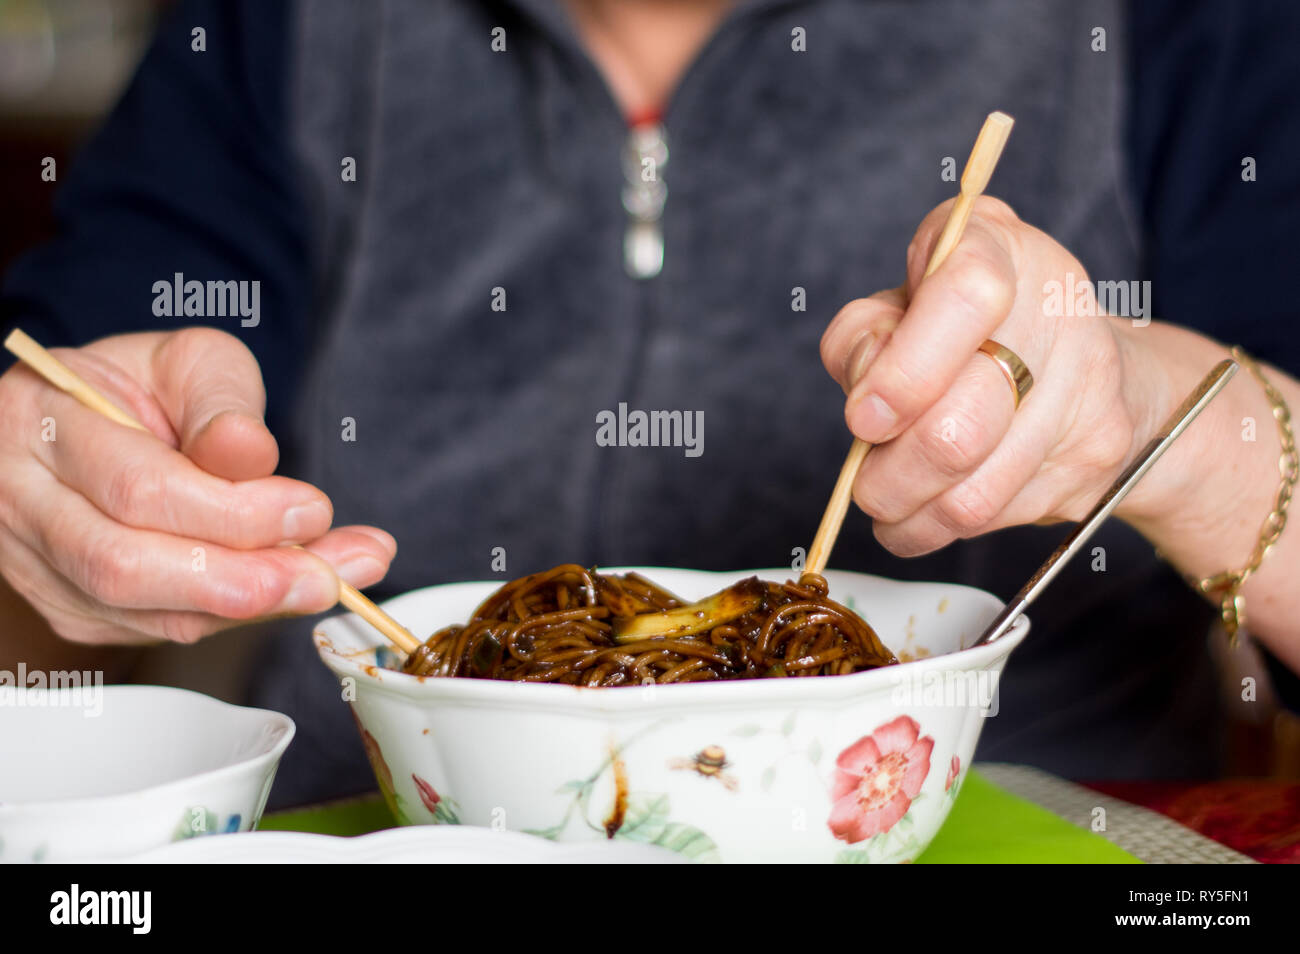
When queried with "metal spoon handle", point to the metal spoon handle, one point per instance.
{"points": [[1210, 385]]}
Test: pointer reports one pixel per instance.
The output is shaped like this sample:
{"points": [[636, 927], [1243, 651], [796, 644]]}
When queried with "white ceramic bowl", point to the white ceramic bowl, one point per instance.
{"points": [[859, 768], [86, 777]]}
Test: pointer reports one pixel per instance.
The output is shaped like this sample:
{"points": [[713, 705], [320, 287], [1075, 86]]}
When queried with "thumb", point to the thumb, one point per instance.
{"points": [[211, 387]]}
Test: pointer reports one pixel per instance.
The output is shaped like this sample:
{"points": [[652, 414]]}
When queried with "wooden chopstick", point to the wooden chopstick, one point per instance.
{"points": [[65, 379], [975, 177]]}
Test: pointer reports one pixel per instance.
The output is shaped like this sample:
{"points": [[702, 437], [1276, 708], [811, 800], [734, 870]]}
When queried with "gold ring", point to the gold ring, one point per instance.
{"points": [[1013, 368]]}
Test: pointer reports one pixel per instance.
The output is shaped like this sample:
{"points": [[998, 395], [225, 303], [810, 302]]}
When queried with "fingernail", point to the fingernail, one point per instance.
{"points": [[358, 569], [873, 419], [310, 593], [305, 522], [860, 358]]}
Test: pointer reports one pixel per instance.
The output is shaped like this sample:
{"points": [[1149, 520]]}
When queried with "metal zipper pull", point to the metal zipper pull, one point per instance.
{"points": [[644, 194]]}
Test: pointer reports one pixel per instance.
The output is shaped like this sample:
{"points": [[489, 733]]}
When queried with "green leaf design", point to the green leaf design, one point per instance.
{"points": [[788, 725], [745, 731], [814, 751], [646, 817], [690, 842], [445, 813], [768, 776], [551, 834], [853, 856], [647, 822], [574, 785]]}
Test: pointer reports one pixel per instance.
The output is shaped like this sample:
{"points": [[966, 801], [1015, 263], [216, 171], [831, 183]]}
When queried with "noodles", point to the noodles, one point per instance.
{"points": [[576, 626]]}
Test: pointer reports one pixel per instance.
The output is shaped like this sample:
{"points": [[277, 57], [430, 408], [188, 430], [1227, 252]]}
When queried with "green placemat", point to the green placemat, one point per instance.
{"points": [[355, 816], [990, 825], [987, 824]]}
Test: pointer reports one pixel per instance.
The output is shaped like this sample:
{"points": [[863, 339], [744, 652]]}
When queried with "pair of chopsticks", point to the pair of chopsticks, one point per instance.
{"points": [[65, 379], [975, 177]]}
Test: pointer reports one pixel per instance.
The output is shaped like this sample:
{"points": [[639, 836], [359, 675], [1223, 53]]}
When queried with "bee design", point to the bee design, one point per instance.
{"points": [[709, 762]]}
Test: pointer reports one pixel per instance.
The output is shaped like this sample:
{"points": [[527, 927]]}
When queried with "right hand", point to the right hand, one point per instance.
{"points": [[118, 536]]}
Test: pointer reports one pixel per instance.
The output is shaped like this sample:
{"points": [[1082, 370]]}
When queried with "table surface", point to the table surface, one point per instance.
{"points": [[1003, 813]]}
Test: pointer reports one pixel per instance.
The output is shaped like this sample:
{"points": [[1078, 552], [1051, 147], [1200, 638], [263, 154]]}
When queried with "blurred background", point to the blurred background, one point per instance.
{"points": [[63, 63]]}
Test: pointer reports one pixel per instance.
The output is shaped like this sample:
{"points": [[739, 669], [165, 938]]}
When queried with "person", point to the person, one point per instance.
{"points": [[454, 237]]}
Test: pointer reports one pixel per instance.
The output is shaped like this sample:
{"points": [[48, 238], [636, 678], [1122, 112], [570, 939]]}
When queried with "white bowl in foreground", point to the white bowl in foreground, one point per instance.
{"points": [[108, 771], [858, 768]]}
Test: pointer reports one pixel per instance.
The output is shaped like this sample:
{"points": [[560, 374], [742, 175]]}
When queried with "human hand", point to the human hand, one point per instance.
{"points": [[956, 458], [119, 536]]}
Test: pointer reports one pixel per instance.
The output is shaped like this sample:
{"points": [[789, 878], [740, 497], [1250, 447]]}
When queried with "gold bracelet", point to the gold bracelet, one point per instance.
{"points": [[1226, 587]]}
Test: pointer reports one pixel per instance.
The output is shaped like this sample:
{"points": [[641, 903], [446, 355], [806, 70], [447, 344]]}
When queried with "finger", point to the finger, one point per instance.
{"points": [[949, 316], [77, 617], [360, 555], [388, 541], [139, 481], [980, 503], [198, 389], [211, 387], [144, 569], [987, 208], [858, 333], [942, 448]]}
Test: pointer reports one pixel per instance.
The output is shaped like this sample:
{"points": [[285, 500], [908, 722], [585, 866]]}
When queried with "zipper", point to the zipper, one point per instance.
{"points": [[645, 154]]}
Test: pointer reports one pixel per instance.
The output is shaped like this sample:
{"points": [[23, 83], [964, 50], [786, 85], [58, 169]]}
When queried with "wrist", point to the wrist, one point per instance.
{"points": [[1157, 375], [1203, 502]]}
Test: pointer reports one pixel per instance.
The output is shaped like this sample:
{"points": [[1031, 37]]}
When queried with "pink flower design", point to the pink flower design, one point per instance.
{"points": [[428, 795], [876, 779], [954, 769]]}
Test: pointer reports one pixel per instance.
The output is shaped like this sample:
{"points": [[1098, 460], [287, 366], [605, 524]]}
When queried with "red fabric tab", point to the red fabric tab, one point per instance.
{"points": [[649, 116]]}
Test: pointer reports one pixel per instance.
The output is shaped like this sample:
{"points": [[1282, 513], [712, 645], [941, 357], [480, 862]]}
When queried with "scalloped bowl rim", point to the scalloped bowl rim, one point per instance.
{"points": [[259, 762], [509, 694]]}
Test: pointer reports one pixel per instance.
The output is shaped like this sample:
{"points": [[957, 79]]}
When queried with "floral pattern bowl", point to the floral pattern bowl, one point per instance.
{"points": [[103, 772], [851, 769]]}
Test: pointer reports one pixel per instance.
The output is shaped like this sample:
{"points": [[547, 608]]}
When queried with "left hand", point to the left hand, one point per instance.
{"points": [[956, 459]]}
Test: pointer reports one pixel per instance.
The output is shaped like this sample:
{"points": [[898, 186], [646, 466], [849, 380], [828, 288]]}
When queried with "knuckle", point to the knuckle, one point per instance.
{"points": [[107, 569], [980, 283], [991, 207], [904, 382], [248, 588], [133, 493], [966, 509], [239, 518], [202, 339], [955, 444], [869, 499]]}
